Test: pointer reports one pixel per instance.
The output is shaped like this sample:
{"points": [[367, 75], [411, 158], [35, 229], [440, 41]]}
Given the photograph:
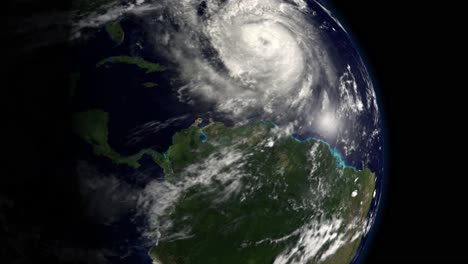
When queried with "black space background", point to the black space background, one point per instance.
{"points": [[412, 48]]}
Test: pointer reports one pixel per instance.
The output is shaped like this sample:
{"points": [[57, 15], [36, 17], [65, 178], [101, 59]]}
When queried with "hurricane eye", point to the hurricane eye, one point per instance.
{"points": [[264, 41], [221, 131]]}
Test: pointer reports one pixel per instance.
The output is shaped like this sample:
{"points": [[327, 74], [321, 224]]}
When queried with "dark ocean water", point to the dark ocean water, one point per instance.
{"points": [[117, 89]]}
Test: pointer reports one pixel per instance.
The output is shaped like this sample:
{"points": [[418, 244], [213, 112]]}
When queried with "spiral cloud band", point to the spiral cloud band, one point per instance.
{"points": [[271, 59], [270, 51], [249, 60]]}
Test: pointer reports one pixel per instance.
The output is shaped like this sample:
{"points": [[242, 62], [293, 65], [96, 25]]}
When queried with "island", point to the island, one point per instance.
{"points": [[149, 84], [150, 67]]}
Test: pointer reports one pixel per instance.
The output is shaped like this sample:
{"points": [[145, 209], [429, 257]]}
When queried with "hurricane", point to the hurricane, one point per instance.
{"points": [[251, 127], [270, 53], [262, 58]]}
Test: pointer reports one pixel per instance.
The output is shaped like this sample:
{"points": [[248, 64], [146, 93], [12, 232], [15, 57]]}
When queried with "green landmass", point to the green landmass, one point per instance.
{"points": [[283, 185], [115, 31], [231, 231], [344, 254], [150, 67], [149, 84], [92, 126]]}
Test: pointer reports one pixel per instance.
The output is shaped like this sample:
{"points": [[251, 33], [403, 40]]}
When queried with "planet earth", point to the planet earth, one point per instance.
{"points": [[224, 131]]}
